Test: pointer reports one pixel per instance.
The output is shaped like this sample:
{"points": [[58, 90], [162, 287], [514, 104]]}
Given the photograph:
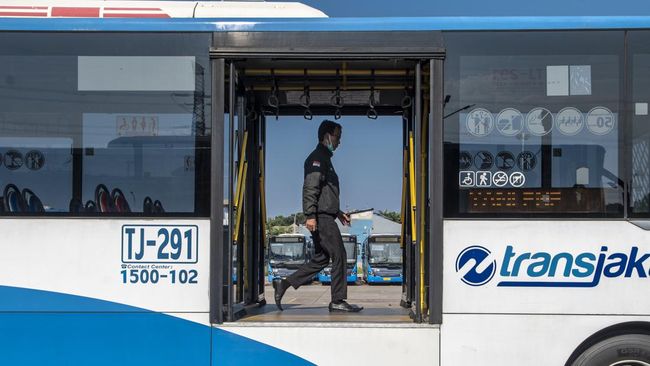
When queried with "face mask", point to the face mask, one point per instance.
{"points": [[330, 147]]}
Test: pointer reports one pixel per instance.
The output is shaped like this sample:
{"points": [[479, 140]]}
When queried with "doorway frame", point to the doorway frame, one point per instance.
{"points": [[421, 46]]}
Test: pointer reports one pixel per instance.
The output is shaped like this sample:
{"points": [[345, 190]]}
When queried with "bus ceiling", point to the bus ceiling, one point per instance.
{"points": [[312, 73]]}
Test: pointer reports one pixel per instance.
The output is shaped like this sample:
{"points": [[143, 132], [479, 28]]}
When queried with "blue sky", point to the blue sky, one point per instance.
{"points": [[368, 162]]}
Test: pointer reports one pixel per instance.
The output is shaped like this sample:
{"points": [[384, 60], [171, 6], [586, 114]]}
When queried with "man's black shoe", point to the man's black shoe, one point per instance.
{"points": [[344, 307], [280, 286]]}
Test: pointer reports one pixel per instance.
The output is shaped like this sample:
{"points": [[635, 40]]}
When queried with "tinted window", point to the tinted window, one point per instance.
{"points": [[531, 125], [104, 123], [639, 50]]}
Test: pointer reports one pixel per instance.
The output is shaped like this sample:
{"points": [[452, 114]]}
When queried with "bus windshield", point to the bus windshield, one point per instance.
{"points": [[350, 251], [290, 253], [385, 253]]}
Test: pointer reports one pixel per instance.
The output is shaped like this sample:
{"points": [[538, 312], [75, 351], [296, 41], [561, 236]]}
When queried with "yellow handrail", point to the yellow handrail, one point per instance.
{"points": [[239, 196], [242, 160]]}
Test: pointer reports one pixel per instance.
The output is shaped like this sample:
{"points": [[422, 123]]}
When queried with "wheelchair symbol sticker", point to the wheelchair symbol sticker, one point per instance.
{"points": [[500, 179], [480, 122], [466, 178], [517, 179]]}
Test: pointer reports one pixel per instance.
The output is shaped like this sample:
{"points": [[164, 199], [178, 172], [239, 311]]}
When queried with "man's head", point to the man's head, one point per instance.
{"points": [[329, 134]]}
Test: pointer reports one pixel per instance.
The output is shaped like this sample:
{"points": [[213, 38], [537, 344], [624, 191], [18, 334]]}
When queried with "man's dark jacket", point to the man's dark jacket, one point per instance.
{"points": [[320, 191]]}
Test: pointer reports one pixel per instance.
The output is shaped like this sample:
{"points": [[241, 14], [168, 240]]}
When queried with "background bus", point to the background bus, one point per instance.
{"points": [[286, 253], [383, 259], [350, 243]]}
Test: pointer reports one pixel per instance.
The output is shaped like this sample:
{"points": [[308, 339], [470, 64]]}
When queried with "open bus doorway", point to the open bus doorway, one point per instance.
{"points": [[263, 89]]}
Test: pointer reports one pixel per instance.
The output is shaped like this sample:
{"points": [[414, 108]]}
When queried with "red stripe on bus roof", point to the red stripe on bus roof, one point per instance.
{"points": [[150, 9], [21, 14], [23, 7], [58, 11], [134, 15]]}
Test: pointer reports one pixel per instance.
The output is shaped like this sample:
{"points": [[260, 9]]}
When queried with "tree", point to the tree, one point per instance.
{"points": [[392, 215]]}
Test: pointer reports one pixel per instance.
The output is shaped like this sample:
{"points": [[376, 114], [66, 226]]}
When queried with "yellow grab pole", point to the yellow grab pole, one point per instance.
{"points": [[239, 196], [242, 158], [412, 183]]}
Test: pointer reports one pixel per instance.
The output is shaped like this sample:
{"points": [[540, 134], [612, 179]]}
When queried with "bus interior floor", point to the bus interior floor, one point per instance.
{"points": [[309, 304]]}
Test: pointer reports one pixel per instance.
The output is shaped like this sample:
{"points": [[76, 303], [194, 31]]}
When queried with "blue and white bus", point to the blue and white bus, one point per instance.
{"points": [[351, 276], [287, 252], [125, 126], [383, 260]]}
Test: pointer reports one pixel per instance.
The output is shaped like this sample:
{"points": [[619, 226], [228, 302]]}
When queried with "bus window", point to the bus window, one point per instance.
{"points": [[531, 126], [108, 124], [640, 60]]}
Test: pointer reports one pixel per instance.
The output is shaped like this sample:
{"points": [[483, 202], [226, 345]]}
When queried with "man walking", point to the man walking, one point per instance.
{"points": [[320, 203]]}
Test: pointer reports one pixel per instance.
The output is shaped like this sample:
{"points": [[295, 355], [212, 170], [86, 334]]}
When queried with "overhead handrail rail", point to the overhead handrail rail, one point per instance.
{"points": [[305, 100], [372, 113], [273, 100]]}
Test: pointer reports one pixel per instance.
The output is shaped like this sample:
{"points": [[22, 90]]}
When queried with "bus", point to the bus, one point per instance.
{"points": [[125, 126], [287, 252], [350, 244], [383, 259]]}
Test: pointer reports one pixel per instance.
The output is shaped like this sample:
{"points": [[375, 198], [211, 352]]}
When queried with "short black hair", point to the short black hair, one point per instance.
{"points": [[327, 126]]}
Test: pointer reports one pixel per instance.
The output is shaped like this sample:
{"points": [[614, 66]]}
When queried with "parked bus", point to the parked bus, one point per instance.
{"points": [[350, 243], [287, 252], [525, 183], [383, 259]]}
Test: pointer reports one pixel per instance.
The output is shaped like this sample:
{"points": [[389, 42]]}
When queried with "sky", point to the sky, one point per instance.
{"points": [[368, 162]]}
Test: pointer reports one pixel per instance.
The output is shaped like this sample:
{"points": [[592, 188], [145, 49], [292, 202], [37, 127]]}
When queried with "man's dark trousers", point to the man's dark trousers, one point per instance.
{"points": [[327, 244]]}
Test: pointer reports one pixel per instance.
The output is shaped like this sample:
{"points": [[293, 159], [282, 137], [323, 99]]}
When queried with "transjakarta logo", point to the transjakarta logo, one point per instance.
{"points": [[477, 266]]}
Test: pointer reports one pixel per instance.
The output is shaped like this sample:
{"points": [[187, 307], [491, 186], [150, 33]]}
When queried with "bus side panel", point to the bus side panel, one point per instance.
{"points": [[127, 339], [325, 345], [87, 258], [515, 340], [546, 267], [534, 290]]}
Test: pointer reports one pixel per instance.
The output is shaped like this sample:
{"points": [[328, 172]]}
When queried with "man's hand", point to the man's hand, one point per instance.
{"points": [[344, 218], [310, 224]]}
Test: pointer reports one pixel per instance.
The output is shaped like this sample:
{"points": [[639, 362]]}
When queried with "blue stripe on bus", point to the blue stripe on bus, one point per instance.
{"points": [[231, 349], [327, 24], [86, 331]]}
